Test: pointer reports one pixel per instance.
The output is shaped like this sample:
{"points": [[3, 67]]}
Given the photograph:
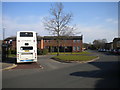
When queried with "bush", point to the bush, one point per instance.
{"points": [[38, 51], [45, 51], [42, 52], [9, 52], [13, 51]]}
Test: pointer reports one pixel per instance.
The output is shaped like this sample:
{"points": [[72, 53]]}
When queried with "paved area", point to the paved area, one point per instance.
{"points": [[5, 65], [102, 73], [28, 66]]}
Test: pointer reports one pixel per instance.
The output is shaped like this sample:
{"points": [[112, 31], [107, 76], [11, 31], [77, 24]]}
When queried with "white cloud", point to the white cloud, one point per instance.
{"points": [[90, 33], [14, 25], [111, 20], [97, 32]]}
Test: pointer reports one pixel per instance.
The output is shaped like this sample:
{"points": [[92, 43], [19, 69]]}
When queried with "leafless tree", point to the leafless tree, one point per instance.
{"points": [[100, 43], [57, 23]]}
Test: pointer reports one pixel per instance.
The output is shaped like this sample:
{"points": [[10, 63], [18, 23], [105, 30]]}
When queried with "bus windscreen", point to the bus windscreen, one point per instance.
{"points": [[26, 34]]}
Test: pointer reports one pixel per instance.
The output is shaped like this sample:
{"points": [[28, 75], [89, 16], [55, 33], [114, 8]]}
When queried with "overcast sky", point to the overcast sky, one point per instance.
{"points": [[95, 20]]}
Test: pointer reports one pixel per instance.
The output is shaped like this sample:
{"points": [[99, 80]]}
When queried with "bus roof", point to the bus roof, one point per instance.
{"points": [[25, 31]]}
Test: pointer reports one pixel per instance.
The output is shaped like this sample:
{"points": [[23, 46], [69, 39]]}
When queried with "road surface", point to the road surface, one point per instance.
{"points": [[102, 73]]}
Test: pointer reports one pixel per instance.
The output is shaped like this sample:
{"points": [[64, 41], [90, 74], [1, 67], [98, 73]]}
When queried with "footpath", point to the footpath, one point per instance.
{"points": [[7, 64]]}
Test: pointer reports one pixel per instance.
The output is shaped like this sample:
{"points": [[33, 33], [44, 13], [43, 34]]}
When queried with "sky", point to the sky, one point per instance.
{"points": [[95, 20]]}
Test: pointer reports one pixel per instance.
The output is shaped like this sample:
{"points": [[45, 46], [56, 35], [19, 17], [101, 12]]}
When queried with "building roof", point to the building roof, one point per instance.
{"points": [[13, 38], [51, 38], [116, 39], [61, 37]]}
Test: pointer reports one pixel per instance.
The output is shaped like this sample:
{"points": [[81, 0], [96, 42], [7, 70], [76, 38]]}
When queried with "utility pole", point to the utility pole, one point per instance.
{"points": [[4, 49], [3, 33]]}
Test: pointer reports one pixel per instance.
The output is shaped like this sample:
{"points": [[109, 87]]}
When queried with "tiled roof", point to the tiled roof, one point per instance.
{"points": [[51, 38], [116, 39]]}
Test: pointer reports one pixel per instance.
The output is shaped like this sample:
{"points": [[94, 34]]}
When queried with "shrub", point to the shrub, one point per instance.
{"points": [[42, 51], [45, 51], [13, 51], [9, 52], [38, 51]]}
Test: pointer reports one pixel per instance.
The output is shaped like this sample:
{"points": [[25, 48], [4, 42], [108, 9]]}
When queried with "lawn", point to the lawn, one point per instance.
{"points": [[74, 57], [11, 55], [84, 52]]}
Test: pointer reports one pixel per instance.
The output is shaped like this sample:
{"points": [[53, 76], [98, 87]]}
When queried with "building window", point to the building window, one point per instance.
{"points": [[118, 44], [49, 41], [45, 40], [78, 41], [46, 47], [74, 41], [78, 48], [74, 48]]}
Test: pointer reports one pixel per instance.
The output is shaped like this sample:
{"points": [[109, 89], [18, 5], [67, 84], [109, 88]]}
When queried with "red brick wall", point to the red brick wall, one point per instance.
{"points": [[64, 43], [54, 43]]}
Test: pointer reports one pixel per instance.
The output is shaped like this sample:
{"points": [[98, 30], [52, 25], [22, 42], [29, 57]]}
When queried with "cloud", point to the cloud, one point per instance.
{"points": [[97, 32], [90, 33], [13, 25], [111, 20]]}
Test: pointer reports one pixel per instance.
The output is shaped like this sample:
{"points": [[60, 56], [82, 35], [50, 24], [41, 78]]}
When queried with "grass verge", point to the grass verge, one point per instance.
{"points": [[12, 55], [84, 52], [74, 58]]}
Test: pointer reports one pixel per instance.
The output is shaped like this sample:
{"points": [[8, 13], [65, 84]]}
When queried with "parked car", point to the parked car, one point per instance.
{"points": [[99, 50], [118, 51], [115, 51]]}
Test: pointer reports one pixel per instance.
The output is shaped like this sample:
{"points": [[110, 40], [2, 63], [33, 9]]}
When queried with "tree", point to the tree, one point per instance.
{"points": [[57, 24], [100, 43]]}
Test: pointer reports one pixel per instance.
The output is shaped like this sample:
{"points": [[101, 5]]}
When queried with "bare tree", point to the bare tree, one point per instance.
{"points": [[57, 24], [100, 43]]}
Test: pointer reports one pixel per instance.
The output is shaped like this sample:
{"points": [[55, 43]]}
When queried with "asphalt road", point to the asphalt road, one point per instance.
{"points": [[102, 73]]}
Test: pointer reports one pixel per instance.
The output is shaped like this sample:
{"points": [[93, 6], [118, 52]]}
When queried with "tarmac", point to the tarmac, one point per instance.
{"points": [[11, 64]]}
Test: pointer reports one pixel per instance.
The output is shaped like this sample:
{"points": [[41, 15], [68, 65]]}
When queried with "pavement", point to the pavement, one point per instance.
{"points": [[6, 66], [10, 64]]}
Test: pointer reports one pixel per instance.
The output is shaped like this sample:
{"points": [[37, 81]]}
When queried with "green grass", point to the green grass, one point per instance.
{"points": [[74, 57], [84, 52], [11, 55]]}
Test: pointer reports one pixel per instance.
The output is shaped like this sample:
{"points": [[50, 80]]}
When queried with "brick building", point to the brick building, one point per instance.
{"points": [[116, 43], [67, 43], [113, 45]]}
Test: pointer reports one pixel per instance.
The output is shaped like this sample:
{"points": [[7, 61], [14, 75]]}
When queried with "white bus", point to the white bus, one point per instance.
{"points": [[26, 46]]}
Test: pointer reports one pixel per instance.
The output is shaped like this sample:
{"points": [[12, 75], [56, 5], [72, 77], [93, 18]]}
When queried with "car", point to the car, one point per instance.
{"points": [[104, 50], [99, 50], [118, 51], [114, 51], [107, 50]]}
